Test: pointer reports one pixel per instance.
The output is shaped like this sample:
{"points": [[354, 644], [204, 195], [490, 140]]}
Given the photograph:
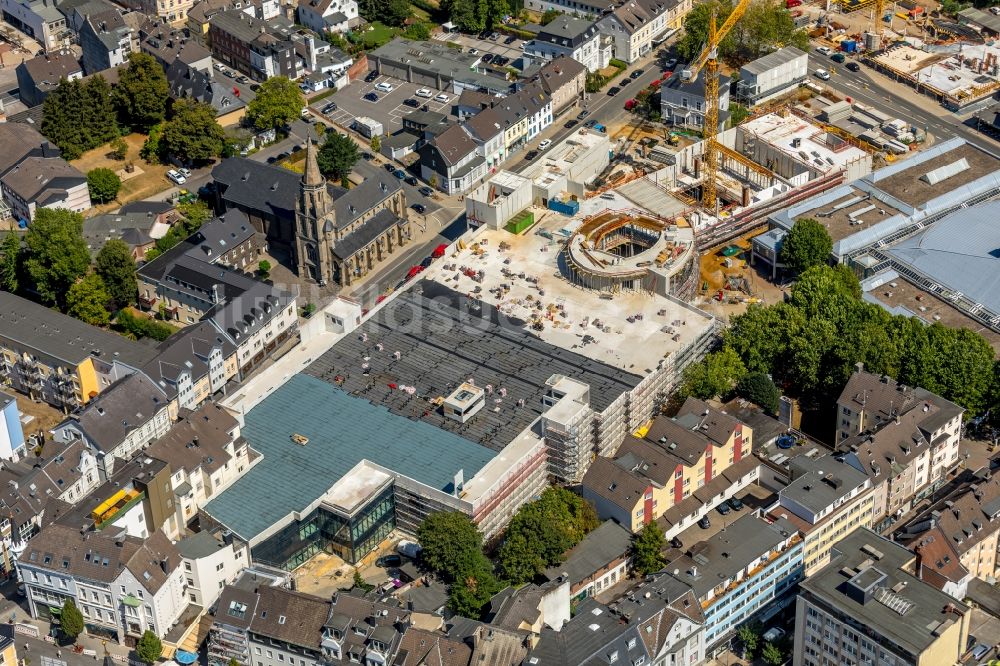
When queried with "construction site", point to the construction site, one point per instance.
{"points": [[958, 76]]}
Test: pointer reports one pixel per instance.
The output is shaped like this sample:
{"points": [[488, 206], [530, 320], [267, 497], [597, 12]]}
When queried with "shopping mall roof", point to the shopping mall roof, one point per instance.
{"points": [[960, 252], [341, 431]]}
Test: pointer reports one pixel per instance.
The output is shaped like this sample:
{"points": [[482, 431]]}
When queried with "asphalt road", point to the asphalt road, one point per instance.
{"points": [[879, 93]]}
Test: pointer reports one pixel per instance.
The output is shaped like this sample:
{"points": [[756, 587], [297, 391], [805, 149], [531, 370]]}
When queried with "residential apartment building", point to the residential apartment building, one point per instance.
{"points": [[106, 41], [260, 49], [121, 421], [905, 438], [867, 607], [44, 182], [195, 365], [636, 26], [957, 538], [451, 161], [322, 16], [565, 80], [60, 360], [826, 500], [660, 624], [741, 574], [40, 75], [122, 585], [579, 39], [601, 560], [682, 103], [210, 561], [672, 460], [206, 454], [39, 19], [169, 44]]}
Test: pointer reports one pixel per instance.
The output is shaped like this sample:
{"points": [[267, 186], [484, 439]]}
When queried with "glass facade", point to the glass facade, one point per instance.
{"points": [[325, 531]]}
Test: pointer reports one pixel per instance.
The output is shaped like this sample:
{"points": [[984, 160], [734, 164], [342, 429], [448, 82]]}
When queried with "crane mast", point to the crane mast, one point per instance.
{"points": [[708, 60]]}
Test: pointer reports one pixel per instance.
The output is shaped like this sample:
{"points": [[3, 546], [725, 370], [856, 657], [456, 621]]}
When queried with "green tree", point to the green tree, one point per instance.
{"points": [[737, 113], [808, 244], [361, 583], [10, 262], [518, 560], [119, 149], [57, 254], [417, 31], [71, 620], [152, 147], [549, 16], [376, 143], [758, 388], [233, 662], [142, 327], [149, 648], [647, 549], [264, 269], [142, 93], [278, 102], [765, 24], [88, 299], [749, 639], [193, 135], [472, 590], [337, 156], [771, 655], [116, 266], [103, 184], [467, 15], [714, 376], [78, 116], [450, 543]]}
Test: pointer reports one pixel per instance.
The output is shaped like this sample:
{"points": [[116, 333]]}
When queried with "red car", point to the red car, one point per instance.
{"points": [[439, 251], [414, 271]]}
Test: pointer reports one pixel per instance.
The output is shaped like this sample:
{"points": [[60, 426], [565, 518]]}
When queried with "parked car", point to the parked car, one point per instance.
{"points": [[411, 102], [824, 50], [399, 173], [613, 90], [308, 117], [243, 79], [723, 508], [385, 87], [510, 40], [255, 87], [176, 177], [420, 208], [442, 98], [838, 57], [424, 92], [822, 74], [367, 157], [624, 82], [426, 191], [773, 634], [494, 36], [388, 561], [371, 97], [218, 66], [330, 108], [371, 77], [571, 123], [853, 66], [411, 180], [474, 51], [390, 167], [500, 61], [283, 156], [230, 73], [637, 73], [544, 144], [736, 503], [670, 64], [530, 155], [488, 57], [704, 523], [590, 123], [980, 651], [583, 114], [272, 159], [184, 171], [676, 543]]}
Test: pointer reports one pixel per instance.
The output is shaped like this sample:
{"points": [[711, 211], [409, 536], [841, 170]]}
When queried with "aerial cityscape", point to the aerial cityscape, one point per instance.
{"points": [[500, 332]]}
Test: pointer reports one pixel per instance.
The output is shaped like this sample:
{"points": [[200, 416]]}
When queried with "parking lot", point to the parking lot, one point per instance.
{"points": [[510, 51], [388, 110]]}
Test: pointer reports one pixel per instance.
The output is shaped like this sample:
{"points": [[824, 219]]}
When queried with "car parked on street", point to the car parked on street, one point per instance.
{"points": [[488, 57], [530, 155], [704, 523], [176, 177], [412, 180], [613, 90], [420, 208], [426, 191], [853, 66], [399, 173], [583, 114], [636, 74], [824, 50], [822, 74], [544, 144]]}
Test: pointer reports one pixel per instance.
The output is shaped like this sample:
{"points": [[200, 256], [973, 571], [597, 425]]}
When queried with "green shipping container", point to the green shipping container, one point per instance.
{"points": [[520, 222]]}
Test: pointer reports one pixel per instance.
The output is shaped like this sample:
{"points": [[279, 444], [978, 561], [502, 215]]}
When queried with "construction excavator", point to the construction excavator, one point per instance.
{"points": [[708, 60]]}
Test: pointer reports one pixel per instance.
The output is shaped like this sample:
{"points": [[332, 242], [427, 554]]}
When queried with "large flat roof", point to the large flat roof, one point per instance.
{"points": [[803, 141], [910, 184], [444, 339], [342, 430]]}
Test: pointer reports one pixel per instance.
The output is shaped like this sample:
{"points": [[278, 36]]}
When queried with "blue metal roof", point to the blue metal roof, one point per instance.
{"points": [[342, 431]]}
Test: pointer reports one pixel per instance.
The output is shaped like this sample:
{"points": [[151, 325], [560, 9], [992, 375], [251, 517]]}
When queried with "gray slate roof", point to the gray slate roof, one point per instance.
{"points": [[604, 545], [124, 406], [772, 60]]}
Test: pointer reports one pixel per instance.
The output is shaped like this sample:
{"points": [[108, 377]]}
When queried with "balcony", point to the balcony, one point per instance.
{"points": [[119, 503]]}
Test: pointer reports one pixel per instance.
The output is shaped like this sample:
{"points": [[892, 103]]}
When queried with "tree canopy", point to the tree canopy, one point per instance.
{"points": [[78, 116], [647, 549], [115, 265], [390, 12], [337, 156], [71, 619], [714, 376], [142, 93], [807, 244], [103, 184], [88, 299], [767, 24], [278, 102], [811, 344], [452, 548], [57, 254], [758, 388], [10, 262], [475, 15], [542, 531], [149, 648], [193, 135]]}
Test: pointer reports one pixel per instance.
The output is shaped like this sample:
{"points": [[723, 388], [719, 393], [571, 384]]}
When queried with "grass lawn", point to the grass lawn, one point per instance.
{"points": [[151, 181], [421, 14], [378, 35]]}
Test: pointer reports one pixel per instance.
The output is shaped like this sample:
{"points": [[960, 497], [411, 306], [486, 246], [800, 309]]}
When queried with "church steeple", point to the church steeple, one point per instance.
{"points": [[311, 177]]}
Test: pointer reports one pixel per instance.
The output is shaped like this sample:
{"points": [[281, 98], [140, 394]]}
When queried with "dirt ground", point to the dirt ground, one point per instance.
{"points": [[42, 415], [149, 180], [715, 272]]}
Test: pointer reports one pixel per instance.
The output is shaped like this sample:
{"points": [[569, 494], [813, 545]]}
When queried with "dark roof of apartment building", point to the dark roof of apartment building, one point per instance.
{"points": [[43, 180], [127, 404], [609, 542], [198, 441]]}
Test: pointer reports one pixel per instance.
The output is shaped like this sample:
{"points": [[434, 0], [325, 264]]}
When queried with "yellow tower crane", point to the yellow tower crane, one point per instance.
{"points": [[709, 60]]}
